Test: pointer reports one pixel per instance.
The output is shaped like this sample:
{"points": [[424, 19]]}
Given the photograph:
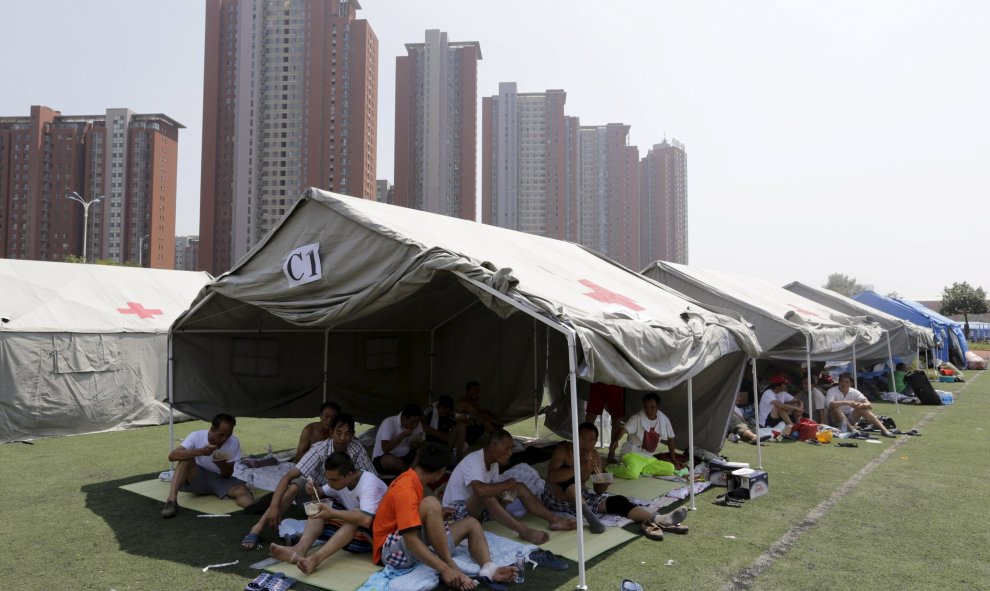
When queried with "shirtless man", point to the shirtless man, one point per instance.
{"points": [[317, 431], [483, 420]]}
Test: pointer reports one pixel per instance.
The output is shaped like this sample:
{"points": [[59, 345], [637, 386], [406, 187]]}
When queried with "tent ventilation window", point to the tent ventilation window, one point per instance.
{"points": [[381, 354], [256, 358]]}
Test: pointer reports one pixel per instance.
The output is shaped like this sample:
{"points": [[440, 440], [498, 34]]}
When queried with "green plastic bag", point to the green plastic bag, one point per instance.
{"points": [[633, 465]]}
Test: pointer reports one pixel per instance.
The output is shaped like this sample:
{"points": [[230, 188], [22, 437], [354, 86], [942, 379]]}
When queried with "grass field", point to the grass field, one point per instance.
{"points": [[901, 514]]}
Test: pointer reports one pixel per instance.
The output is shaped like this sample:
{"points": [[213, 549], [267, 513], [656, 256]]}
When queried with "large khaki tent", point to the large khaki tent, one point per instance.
{"points": [[83, 348], [374, 306]]}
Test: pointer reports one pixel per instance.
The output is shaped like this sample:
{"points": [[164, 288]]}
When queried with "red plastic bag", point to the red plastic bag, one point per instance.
{"points": [[807, 429]]}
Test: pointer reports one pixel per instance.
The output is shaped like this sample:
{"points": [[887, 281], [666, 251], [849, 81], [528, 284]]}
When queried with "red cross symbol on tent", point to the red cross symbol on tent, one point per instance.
{"points": [[803, 311], [608, 296], [141, 311]]}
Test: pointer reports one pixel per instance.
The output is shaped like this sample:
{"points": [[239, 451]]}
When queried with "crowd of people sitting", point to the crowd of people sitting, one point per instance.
{"points": [[377, 504]]}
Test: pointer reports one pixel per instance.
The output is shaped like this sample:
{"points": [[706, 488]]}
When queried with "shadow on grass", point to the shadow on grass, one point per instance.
{"points": [[196, 542]]}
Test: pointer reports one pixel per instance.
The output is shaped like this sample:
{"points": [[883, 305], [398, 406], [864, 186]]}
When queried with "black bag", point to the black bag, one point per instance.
{"points": [[923, 389]]}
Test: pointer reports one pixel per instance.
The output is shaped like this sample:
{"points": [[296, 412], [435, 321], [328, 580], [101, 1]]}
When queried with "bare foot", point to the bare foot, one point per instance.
{"points": [[308, 565], [504, 574], [535, 536], [563, 525], [284, 553]]}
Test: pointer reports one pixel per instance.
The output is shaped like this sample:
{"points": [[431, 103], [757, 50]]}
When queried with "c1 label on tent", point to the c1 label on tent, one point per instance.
{"points": [[303, 266]]}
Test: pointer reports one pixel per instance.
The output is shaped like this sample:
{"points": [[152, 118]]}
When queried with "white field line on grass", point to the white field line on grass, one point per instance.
{"points": [[746, 578]]}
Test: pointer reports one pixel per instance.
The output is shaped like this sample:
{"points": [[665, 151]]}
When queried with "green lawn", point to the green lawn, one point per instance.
{"points": [[881, 516]]}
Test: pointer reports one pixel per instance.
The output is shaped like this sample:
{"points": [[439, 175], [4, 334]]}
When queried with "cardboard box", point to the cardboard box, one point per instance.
{"points": [[719, 471], [752, 483]]}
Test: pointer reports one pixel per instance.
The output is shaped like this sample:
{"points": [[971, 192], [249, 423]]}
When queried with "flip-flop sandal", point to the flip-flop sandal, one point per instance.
{"points": [[249, 542], [913, 433], [492, 585], [652, 530], [674, 529], [282, 584], [263, 581], [723, 501]]}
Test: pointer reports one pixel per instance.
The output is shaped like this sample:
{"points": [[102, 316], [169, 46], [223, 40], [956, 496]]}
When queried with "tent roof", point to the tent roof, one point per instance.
{"points": [[387, 266], [781, 319], [40, 296], [850, 306]]}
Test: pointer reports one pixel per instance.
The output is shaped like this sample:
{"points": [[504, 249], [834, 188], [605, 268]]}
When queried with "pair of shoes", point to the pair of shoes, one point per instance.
{"points": [[249, 542], [652, 531], [846, 444], [264, 581], [548, 559], [679, 529], [733, 438], [725, 501], [282, 584], [629, 585], [170, 509], [673, 518]]}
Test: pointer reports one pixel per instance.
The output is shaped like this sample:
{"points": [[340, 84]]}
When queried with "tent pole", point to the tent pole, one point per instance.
{"points": [[536, 386], [893, 385], [807, 360], [690, 478], [756, 415], [433, 354], [855, 371], [578, 477], [326, 361], [171, 409]]}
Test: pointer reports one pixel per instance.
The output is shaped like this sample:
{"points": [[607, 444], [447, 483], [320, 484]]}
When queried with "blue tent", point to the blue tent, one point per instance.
{"points": [[950, 341]]}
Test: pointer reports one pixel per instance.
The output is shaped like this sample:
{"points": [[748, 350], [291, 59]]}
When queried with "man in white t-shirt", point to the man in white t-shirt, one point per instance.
{"points": [[205, 465], [441, 426], [645, 430], [355, 495], [397, 440], [472, 490], [847, 404], [778, 405]]}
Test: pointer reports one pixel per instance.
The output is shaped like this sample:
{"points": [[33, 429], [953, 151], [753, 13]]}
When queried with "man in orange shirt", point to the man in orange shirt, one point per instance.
{"points": [[409, 529]]}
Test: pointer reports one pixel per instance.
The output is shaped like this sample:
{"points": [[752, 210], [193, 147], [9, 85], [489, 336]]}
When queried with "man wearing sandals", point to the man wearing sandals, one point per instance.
{"points": [[205, 465], [560, 494], [778, 405], [358, 493], [847, 405], [409, 528]]}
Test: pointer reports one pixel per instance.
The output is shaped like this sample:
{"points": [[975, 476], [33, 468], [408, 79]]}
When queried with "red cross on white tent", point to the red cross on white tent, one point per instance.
{"points": [[608, 296], [141, 311]]}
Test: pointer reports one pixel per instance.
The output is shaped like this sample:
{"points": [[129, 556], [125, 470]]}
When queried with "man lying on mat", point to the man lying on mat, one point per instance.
{"points": [[409, 528], [355, 495], [292, 486], [472, 490], [317, 431], [205, 465], [560, 494]]}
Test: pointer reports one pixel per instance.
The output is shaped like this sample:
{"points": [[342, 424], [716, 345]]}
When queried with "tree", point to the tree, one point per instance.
{"points": [[843, 284], [964, 299]]}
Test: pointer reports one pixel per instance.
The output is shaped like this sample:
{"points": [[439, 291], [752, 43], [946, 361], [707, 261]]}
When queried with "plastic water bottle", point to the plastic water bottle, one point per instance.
{"points": [[844, 430], [520, 567], [269, 450]]}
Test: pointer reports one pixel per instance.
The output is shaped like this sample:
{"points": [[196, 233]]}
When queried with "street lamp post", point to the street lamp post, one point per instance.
{"points": [[141, 249], [76, 197]]}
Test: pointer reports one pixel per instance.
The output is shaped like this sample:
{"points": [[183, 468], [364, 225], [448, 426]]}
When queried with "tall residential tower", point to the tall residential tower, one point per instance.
{"points": [[663, 204]]}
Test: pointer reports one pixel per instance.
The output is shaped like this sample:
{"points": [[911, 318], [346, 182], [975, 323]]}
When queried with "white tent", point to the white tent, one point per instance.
{"points": [[83, 348], [375, 306]]}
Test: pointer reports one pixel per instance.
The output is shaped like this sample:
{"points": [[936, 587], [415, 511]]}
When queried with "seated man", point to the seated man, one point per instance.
{"points": [[846, 405], [602, 396], [560, 494], [409, 528], [440, 426], [397, 439], [646, 429], [310, 467], [739, 425], [205, 465], [473, 491], [819, 411], [358, 493], [778, 405], [317, 431], [481, 420], [901, 386]]}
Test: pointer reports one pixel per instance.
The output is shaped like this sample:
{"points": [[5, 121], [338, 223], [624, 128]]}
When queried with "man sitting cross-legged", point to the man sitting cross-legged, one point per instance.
{"points": [[472, 490], [559, 494], [293, 483], [359, 493], [409, 529]]}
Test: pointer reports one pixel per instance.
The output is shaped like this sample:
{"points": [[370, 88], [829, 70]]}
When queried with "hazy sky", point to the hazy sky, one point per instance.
{"points": [[822, 137]]}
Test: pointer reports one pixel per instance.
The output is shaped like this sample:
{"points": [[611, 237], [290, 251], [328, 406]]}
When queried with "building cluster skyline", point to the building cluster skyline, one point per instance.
{"points": [[290, 101]]}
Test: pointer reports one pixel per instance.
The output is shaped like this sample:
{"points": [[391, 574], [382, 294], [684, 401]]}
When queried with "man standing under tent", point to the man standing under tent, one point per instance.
{"points": [[317, 431], [355, 495], [778, 405], [602, 396], [847, 405], [292, 485], [645, 430], [472, 491], [397, 440], [205, 465], [483, 420], [409, 528]]}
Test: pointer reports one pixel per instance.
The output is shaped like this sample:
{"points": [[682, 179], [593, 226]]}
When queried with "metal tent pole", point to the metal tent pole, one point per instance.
{"points": [[893, 383], [756, 415], [690, 477]]}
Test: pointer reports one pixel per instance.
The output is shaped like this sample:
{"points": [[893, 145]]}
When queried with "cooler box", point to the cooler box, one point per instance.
{"points": [[751, 483], [719, 471], [949, 379]]}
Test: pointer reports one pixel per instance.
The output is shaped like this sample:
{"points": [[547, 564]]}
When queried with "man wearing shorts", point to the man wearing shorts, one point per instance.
{"points": [[397, 439], [409, 529], [778, 405], [847, 405], [613, 398], [205, 465], [347, 523]]}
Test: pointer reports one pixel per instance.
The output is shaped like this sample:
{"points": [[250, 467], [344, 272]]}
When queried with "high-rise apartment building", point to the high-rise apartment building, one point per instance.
{"points": [[529, 162], [383, 189], [608, 192], [186, 253], [123, 162], [289, 102], [436, 94], [663, 204]]}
